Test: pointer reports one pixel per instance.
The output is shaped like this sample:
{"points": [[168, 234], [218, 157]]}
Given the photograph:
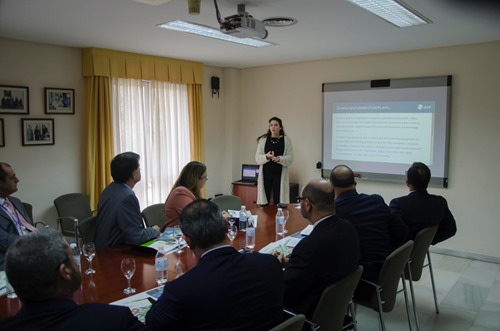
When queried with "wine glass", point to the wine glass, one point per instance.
{"points": [[231, 220], [128, 270], [178, 237], [232, 232], [89, 252], [286, 214]]}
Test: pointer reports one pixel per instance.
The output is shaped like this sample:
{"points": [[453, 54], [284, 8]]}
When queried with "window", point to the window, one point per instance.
{"points": [[151, 118]]}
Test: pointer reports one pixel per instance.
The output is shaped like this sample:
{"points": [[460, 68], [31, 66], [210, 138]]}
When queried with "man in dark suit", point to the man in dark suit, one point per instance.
{"points": [[226, 290], [12, 223], [328, 254], [379, 231], [420, 210], [41, 269], [119, 218]]}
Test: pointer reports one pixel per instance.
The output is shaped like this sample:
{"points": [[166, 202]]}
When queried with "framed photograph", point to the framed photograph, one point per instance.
{"points": [[59, 101], [2, 133], [15, 100], [38, 131]]}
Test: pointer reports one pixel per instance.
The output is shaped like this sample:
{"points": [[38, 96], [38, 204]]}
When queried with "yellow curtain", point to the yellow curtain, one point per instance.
{"points": [[99, 137], [101, 64]]}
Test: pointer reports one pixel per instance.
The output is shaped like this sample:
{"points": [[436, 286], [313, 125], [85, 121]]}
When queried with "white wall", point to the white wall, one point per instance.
{"points": [[293, 92], [249, 97], [45, 172]]}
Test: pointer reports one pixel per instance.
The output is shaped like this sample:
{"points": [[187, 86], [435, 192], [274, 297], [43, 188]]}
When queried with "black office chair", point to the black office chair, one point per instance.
{"points": [[71, 208], [154, 214], [86, 229], [294, 323]]}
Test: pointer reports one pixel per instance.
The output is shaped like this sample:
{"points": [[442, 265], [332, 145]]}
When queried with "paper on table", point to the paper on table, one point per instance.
{"points": [[307, 230], [138, 303], [284, 245], [3, 283]]}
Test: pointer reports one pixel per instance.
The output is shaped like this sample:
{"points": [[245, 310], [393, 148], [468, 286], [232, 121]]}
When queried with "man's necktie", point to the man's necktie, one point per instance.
{"points": [[18, 216]]}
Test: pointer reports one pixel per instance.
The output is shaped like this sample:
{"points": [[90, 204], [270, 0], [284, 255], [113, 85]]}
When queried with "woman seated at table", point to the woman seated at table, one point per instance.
{"points": [[185, 190]]}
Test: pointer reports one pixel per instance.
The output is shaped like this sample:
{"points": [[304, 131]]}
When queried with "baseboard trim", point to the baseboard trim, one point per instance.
{"points": [[467, 255]]}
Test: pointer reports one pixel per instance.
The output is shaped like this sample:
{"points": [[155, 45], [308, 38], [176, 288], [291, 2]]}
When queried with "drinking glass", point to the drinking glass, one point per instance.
{"points": [[286, 214], [128, 270], [232, 232], [178, 237], [89, 252], [230, 220]]}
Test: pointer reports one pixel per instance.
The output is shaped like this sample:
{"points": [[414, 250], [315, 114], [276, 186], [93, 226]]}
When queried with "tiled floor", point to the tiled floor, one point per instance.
{"points": [[468, 293]]}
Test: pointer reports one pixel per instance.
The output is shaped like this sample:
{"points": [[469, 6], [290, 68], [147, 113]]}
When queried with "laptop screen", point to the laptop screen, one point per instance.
{"points": [[249, 172]]}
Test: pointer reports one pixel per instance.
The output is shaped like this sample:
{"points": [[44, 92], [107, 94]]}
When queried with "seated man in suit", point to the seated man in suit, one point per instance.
{"points": [[379, 231], [226, 290], [41, 269], [420, 210], [14, 220], [324, 257], [119, 218]]}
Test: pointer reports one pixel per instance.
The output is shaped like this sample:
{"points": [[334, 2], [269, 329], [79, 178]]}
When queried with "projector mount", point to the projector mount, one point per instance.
{"points": [[241, 25]]}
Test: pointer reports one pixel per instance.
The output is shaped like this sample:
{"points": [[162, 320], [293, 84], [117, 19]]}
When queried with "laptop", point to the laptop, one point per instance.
{"points": [[249, 173]]}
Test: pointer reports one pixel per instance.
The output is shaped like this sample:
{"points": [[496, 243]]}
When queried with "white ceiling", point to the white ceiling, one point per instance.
{"points": [[325, 29]]}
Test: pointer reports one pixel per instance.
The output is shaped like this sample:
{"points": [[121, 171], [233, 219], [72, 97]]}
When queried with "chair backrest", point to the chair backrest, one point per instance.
{"points": [[294, 323], [332, 305], [226, 202], [390, 274], [154, 214], [70, 206], [29, 210], [421, 244], [86, 229]]}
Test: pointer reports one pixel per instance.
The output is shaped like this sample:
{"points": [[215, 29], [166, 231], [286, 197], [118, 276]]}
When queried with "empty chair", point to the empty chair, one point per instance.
{"points": [[227, 202], [294, 323], [383, 296], [154, 214], [71, 208], [86, 229], [413, 272]]}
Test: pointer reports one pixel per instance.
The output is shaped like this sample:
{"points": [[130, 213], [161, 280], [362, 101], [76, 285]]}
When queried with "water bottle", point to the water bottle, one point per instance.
{"points": [[243, 219], [161, 265], [250, 235], [76, 255], [280, 222]]}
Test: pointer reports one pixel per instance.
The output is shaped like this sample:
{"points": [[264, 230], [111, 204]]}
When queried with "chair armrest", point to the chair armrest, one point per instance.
{"points": [[45, 225], [311, 324]]}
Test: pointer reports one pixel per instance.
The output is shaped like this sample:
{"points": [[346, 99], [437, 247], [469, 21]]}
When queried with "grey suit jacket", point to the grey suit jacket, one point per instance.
{"points": [[119, 218], [8, 231]]}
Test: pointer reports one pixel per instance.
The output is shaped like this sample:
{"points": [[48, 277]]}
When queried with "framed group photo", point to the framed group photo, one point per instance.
{"points": [[38, 131], [59, 101], [15, 99], [2, 133]]}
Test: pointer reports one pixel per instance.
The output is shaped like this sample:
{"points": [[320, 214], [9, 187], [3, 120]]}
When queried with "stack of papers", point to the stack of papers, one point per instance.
{"points": [[307, 230], [283, 246], [139, 303], [167, 240]]}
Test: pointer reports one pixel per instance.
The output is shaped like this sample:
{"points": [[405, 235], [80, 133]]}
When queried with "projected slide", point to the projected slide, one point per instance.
{"points": [[396, 132]]}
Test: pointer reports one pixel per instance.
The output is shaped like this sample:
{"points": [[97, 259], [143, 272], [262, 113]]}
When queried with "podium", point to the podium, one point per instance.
{"points": [[247, 192]]}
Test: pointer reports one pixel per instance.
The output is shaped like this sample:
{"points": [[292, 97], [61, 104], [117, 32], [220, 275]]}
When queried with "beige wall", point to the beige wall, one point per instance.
{"points": [[293, 92], [45, 172], [249, 97]]}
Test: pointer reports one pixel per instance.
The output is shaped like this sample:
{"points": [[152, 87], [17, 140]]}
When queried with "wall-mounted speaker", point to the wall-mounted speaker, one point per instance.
{"points": [[215, 85]]}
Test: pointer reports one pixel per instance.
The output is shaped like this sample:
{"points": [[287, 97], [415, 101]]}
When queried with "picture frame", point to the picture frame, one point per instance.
{"points": [[14, 99], [59, 100], [37, 131], [2, 133]]}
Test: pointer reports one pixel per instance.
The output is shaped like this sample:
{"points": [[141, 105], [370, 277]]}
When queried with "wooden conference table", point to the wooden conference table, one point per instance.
{"points": [[107, 284]]}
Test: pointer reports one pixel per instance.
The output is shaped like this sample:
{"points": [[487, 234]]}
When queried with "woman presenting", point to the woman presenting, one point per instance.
{"points": [[274, 155]]}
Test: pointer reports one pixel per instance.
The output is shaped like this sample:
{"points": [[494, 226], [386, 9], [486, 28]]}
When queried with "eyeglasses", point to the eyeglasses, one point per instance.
{"points": [[299, 198], [204, 178]]}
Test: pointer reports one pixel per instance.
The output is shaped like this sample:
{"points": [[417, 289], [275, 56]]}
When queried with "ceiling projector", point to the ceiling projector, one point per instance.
{"points": [[243, 25]]}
